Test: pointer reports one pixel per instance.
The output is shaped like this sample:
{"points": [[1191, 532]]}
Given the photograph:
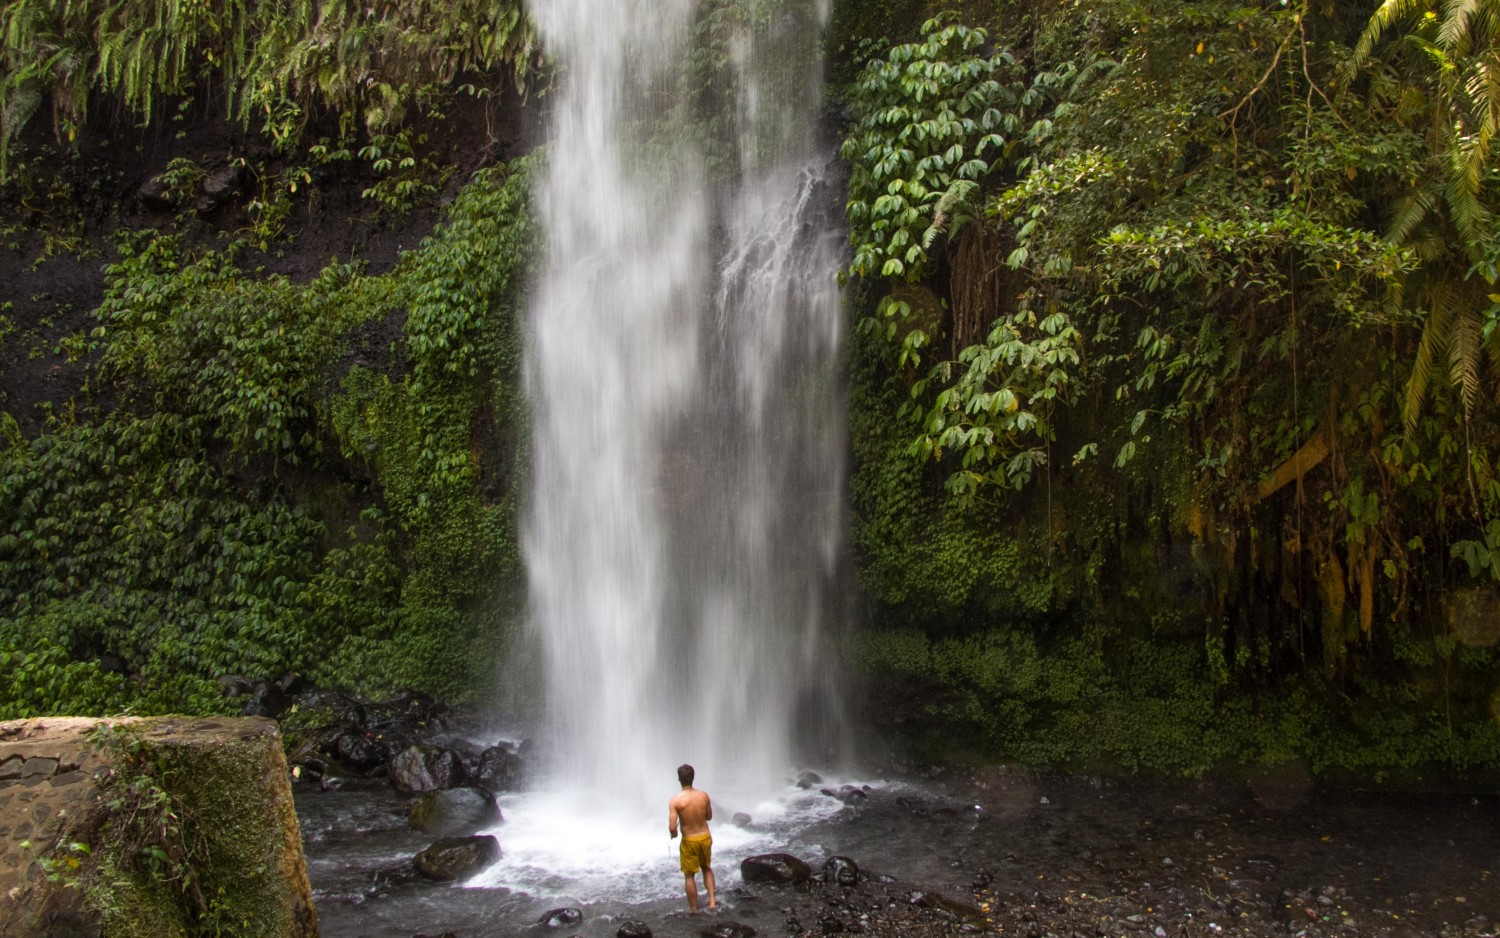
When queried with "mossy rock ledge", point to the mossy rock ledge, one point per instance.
{"points": [[82, 815]]}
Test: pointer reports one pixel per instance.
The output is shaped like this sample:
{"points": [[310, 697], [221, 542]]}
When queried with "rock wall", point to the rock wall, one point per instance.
{"points": [[184, 826]]}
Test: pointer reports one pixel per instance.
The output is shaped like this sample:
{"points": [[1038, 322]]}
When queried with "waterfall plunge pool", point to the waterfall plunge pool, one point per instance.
{"points": [[1041, 855]]}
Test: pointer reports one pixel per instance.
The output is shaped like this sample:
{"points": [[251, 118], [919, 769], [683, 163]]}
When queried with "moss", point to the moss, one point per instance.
{"points": [[201, 838]]}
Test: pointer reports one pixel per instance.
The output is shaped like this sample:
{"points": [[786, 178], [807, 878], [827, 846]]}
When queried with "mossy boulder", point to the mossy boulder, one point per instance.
{"points": [[149, 827], [457, 858], [453, 811]]}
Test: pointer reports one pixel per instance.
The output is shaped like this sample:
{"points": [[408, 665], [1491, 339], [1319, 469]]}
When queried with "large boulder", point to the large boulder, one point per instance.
{"points": [[76, 781], [457, 858], [453, 811], [777, 869], [416, 769]]}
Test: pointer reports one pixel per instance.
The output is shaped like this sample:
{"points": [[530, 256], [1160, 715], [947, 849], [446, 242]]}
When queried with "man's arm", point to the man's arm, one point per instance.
{"points": [[708, 808], [672, 818]]}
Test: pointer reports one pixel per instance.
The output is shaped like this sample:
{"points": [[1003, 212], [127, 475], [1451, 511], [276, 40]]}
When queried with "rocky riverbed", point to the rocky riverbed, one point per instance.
{"points": [[900, 850], [984, 851]]}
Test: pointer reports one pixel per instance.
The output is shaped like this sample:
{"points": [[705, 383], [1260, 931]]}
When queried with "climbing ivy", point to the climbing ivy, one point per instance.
{"points": [[1193, 310]]}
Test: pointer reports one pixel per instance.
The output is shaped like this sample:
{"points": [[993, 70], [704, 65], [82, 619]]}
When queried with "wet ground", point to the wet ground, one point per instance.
{"points": [[992, 851]]}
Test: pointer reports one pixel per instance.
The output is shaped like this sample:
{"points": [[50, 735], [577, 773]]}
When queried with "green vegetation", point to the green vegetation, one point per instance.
{"points": [[245, 510], [1173, 399], [271, 64], [1171, 381]]}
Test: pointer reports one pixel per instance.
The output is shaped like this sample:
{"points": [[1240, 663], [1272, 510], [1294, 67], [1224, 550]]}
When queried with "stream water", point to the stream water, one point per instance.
{"points": [[1049, 856]]}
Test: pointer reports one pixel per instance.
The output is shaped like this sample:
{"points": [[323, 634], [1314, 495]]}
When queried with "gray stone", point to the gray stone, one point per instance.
{"points": [[841, 870], [560, 918], [774, 869], [457, 858], [453, 811]]}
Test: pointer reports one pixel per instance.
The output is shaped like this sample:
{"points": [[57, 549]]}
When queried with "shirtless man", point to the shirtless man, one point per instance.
{"points": [[692, 808]]}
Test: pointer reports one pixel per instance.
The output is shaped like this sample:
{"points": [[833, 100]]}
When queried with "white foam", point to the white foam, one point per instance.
{"points": [[555, 848]]}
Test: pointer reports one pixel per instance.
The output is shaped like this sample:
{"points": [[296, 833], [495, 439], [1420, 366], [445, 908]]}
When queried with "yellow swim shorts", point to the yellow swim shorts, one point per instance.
{"points": [[695, 852]]}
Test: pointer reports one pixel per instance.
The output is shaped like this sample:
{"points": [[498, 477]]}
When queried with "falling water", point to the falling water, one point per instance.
{"points": [[683, 542]]}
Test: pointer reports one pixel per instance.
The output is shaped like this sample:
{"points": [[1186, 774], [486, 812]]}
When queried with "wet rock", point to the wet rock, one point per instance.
{"points": [[416, 769], [267, 699], [221, 185], [156, 196], [360, 751], [841, 870], [633, 929], [560, 918], [410, 700], [499, 769], [808, 779], [941, 903], [830, 924], [848, 794], [741, 819], [728, 930], [457, 858], [309, 772], [453, 811], [774, 869], [388, 878]]}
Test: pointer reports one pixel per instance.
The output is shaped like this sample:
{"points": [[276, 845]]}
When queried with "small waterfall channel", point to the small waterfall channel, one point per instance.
{"points": [[683, 539]]}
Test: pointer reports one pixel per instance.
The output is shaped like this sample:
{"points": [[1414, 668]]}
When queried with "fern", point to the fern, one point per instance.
{"points": [[267, 60]]}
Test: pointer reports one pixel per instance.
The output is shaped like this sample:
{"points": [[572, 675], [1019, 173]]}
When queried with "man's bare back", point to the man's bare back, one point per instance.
{"points": [[692, 810]]}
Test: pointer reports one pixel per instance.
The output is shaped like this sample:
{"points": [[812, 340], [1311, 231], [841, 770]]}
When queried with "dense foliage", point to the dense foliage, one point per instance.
{"points": [[255, 505], [1173, 382], [1217, 303], [274, 64]]}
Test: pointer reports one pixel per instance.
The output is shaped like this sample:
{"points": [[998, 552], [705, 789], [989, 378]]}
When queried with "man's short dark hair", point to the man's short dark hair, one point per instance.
{"points": [[685, 774]]}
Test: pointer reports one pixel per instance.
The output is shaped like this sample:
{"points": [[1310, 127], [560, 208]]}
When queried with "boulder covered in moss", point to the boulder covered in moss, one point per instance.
{"points": [[453, 811], [159, 826], [457, 858]]}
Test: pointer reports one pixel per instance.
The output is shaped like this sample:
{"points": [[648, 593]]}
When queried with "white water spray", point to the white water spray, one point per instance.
{"points": [[683, 542]]}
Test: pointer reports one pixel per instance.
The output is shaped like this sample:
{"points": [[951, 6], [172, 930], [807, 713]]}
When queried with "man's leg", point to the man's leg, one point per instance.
{"points": [[691, 886], [708, 882]]}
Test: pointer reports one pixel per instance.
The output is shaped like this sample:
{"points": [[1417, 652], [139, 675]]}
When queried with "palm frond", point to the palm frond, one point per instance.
{"points": [[1435, 329], [1464, 356], [1455, 26], [1410, 211], [1388, 15]]}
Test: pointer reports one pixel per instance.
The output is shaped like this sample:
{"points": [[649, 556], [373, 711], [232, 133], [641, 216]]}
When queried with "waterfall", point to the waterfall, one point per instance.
{"points": [[683, 541]]}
